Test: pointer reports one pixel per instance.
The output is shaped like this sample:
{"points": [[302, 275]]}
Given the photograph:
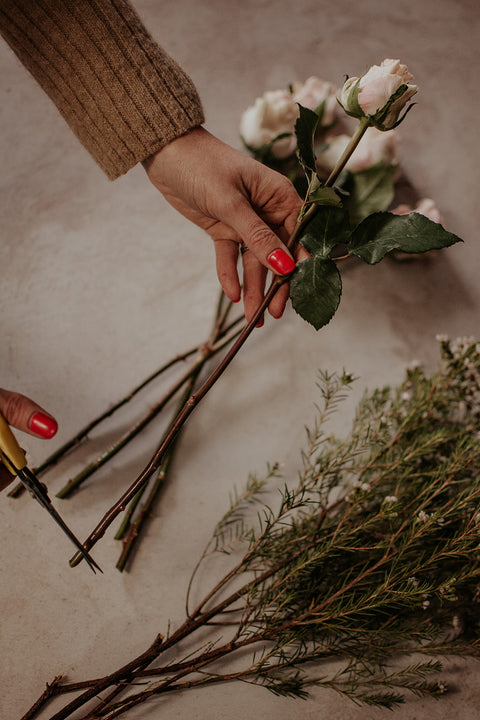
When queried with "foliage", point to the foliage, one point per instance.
{"points": [[369, 562], [316, 286]]}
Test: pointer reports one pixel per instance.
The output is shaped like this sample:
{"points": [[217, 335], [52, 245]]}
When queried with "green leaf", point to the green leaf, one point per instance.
{"points": [[325, 196], [315, 290], [305, 127], [370, 191], [329, 227], [383, 232]]}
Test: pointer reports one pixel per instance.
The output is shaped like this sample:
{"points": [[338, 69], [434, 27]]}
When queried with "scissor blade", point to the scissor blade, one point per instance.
{"points": [[38, 491]]}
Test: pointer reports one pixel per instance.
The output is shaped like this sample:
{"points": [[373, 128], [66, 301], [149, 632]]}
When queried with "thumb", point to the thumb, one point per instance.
{"points": [[24, 414], [262, 241]]}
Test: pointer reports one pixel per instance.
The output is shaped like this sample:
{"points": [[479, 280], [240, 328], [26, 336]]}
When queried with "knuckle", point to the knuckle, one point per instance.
{"points": [[260, 238], [14, 408]]}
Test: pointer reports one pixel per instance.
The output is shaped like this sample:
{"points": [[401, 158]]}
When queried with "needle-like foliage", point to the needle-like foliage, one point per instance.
{"points": [[359, 577]]}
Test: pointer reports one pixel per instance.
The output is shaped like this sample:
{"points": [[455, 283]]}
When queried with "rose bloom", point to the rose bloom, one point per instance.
{"points": [[381, 82], [375, 90], [426, 207], [312, 93], [271, 115], [374, 147]]}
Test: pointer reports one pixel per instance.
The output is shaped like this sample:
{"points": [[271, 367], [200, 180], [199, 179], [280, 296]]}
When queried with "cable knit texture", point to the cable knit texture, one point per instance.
{"points": [[121, 94]]}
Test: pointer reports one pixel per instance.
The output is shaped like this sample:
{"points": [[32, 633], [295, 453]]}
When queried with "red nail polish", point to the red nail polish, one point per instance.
{"points": [[281, 262], [43, 425]]}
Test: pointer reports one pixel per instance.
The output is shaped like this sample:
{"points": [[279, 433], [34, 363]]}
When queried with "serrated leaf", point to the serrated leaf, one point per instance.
{"points": [[383, 232], [325, 196], [305, 127], [329, 227], [315, 290], [370, 190]]}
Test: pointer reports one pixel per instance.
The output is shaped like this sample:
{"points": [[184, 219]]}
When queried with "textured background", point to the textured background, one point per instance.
{"points": [[101, 282]]}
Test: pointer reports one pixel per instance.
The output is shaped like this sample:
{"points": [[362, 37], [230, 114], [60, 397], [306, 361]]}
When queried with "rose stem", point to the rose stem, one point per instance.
{"points": [[55, 457], [303, 219], [96, 464], [134, 528]]}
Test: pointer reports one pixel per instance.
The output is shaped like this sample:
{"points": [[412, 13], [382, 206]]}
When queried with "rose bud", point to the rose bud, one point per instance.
{"points": [[380, 94]]}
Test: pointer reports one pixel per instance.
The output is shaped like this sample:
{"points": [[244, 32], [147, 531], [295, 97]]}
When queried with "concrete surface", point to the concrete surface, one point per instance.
{"points": [[101, 282]]}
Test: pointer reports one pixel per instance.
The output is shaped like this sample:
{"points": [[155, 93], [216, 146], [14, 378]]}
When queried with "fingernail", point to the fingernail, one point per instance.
{"points": [[43, 425], [281, 262]]}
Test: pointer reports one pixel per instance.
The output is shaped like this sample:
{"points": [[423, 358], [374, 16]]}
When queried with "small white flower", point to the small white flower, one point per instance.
{"points": [[442, 687], [391, 499], [456, 623], [423, 516], [413, 581], [426, 604]]}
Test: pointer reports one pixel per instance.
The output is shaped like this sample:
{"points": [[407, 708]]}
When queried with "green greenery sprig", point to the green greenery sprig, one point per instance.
{"points": [[357, 578]]}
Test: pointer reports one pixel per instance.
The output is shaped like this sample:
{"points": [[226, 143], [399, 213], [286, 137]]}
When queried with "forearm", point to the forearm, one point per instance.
{"points": [[120, 93]]}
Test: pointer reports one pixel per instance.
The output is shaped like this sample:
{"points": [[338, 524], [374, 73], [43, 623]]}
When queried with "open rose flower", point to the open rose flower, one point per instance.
{"points": [[380, 94], [426, 207], [274, 114], [312, 93], [271, 115], [376, 147]]}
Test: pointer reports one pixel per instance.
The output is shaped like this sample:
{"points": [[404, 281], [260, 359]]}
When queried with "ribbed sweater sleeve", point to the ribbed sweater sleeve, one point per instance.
{"points": [[121, 94]]}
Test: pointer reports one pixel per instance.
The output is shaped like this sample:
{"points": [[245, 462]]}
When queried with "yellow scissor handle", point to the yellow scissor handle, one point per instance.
{"points": [[11, 454]]}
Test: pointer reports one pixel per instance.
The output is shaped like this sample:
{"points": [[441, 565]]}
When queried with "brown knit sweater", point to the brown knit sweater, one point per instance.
{"points": [[120, 93]]}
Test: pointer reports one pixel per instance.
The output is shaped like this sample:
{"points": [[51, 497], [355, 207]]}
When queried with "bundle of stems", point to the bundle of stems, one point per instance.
{"points": [[357, 578], [223, 332]]}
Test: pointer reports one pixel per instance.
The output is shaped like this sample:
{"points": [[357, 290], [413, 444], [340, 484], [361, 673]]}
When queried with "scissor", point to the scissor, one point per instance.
{"points": [[13, 457]]}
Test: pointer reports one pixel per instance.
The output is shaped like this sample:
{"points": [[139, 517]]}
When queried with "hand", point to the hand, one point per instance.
{"points": [[22, 413], [234, 198]]}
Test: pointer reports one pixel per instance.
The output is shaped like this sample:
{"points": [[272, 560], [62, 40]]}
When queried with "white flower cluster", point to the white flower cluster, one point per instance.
{"points": [[270, 121], [463, 357]]}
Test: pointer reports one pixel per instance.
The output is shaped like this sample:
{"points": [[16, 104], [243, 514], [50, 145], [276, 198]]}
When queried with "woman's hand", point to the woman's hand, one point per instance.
{"points": [[235, 199], [22, 413]]}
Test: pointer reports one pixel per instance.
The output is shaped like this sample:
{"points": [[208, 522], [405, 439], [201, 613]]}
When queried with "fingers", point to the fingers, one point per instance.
{"points": [[24, 414], [254, 277], [226, 254], [262, 241]]}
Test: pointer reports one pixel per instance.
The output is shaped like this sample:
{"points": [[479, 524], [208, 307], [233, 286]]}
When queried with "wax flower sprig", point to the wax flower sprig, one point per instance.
{"points": [[357, 577]]}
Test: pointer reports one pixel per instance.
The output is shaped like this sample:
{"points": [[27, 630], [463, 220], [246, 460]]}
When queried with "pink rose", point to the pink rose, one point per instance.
{"points": [[426, 207], [312, 93], [378, 85], [375, 147], [271, 115], [380, 94]]}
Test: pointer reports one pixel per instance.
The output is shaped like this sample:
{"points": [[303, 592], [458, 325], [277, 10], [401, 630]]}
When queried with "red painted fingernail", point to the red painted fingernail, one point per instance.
{"points": [[281, 262], [43, 425]]}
